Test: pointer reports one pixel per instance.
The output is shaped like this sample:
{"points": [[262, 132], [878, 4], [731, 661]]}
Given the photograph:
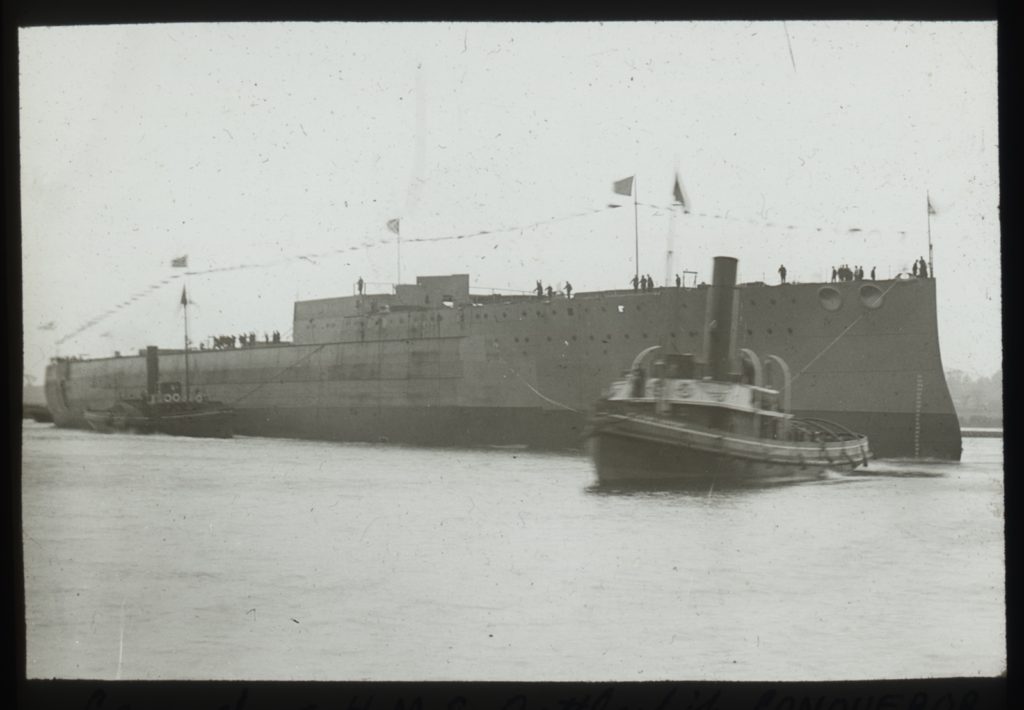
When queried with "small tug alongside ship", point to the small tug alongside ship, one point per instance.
{"points": [[688, 421], [165, 407]]}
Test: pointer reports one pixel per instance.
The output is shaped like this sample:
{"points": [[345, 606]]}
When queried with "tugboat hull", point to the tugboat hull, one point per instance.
{"points": [[632, 450], [213, 424]]}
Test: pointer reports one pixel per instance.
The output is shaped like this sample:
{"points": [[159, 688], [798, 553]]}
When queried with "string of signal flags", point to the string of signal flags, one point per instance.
{"points": [[625, 187]]}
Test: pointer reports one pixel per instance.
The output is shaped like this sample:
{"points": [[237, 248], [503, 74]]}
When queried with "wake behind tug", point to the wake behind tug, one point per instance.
{"points": [[702, 421]]}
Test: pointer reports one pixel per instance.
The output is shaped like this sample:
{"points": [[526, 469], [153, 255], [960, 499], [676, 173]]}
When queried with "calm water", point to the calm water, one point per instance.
{"points": [[165, 558]]}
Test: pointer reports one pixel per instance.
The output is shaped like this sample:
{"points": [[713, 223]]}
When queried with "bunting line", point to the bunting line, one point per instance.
{"points": [[370, 244]]}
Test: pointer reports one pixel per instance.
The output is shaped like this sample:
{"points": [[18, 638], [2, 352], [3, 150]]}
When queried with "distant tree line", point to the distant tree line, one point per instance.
{"points": [[978, 401]]}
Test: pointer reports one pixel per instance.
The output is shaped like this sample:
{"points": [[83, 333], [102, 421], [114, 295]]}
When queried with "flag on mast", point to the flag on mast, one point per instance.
{"points": [[679, 195], [931, 210], [393, 225], [623, 186], [180, 262], [184, 298]]}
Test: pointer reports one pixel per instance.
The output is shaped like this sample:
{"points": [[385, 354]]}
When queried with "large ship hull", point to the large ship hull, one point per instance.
{"points": [[516, 370]]}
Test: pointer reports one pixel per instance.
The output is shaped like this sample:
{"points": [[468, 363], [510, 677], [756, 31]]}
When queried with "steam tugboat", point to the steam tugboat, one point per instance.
{"points": [[165, 407], [676, 418]]}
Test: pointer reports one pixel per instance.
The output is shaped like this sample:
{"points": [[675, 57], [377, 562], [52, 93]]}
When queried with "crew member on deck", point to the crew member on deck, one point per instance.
{"points": [[872, 273], [679, 281], [635, 281], [637, 380], [782, 273], [923, 271], [359, 285], [650, 283], [540, 290], [568, 290], [551, 291]]}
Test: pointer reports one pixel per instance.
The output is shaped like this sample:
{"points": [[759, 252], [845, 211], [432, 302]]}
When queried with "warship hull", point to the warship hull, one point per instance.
{"points": [[500, 371]]}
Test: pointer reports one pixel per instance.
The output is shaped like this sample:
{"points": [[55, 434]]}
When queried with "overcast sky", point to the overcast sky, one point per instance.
{"points": [[241, 144]]}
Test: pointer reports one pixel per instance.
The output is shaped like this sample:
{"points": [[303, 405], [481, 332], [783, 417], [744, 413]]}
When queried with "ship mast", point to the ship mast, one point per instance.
{"points": [[636, 234], [184, 302], [931, 211]]}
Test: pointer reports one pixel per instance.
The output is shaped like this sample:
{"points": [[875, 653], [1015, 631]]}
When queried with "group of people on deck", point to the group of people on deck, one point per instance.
{"points": [[246, 340], [845, 273], [540, 289], [645, 282], [921, 268]]}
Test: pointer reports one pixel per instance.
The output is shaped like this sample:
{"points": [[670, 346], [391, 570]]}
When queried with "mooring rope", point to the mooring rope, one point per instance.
{"points": [[278, 374], [838, 337]]}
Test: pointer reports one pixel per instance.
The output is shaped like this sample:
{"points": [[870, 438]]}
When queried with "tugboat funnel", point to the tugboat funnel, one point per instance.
{"points": [[152, 371], [720, 322]]}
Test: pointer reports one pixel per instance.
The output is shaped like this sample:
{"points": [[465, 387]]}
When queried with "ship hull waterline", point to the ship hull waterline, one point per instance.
{"points": [[540, 429]]}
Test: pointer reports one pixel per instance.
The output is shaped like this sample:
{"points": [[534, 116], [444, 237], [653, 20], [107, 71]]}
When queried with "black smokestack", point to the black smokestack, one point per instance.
{"points": [[720, 324], [152, 371]]}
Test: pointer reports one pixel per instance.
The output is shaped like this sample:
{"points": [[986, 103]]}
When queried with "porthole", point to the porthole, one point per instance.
{"points": [[871, 296], [789, 330], [526, 340], [626, 336], [769, 331], [830, 298], [549, 338]]}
